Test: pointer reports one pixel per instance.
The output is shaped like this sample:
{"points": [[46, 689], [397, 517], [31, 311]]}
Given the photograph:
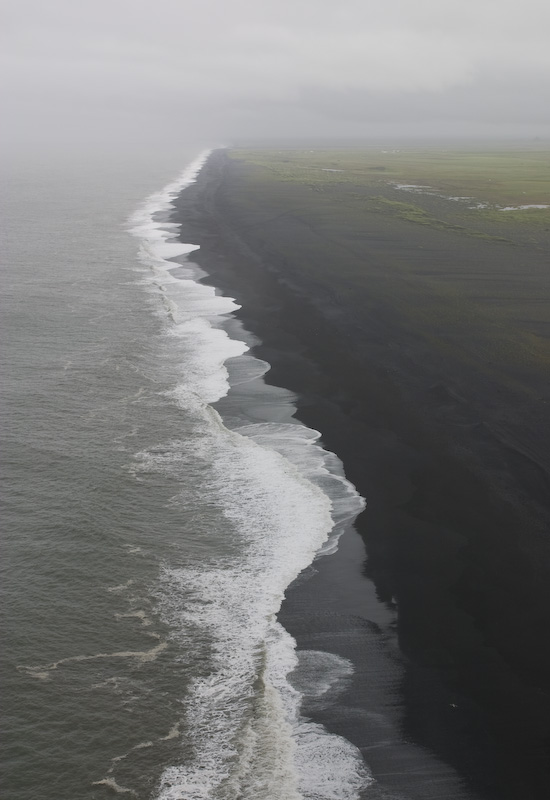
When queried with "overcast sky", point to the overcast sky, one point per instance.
{"points": [[224, 69]]}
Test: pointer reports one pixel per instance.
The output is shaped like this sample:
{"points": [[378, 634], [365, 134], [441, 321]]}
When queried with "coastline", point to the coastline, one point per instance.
{"points": [[442, 697]]}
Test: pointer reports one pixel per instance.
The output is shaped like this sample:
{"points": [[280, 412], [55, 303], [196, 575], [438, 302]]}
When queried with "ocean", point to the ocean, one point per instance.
{"points": [[159, 498]]}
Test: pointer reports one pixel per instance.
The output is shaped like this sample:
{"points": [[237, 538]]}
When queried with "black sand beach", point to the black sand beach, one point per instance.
{"points": [[443, 605]]}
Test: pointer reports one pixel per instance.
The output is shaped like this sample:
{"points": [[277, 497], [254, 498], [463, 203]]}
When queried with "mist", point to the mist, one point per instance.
{"points": [[139, 73]]}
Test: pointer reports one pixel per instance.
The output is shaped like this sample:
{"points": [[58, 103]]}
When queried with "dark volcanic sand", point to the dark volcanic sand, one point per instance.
{"points": [[447, 618]]}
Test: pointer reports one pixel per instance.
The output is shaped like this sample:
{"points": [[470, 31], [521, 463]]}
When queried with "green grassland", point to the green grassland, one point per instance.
{"points": [[514, 177], [496, 179], [473, 282]]}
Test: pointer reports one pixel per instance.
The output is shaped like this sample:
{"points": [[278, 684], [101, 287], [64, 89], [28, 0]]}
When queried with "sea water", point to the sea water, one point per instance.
{"points": [[160, 499]]}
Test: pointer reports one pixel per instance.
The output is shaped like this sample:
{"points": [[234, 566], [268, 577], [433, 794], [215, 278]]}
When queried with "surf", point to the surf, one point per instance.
{"points": [[285, 500]]}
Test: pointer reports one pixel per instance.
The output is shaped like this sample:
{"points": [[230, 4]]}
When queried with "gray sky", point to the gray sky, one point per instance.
{"points": [[103, 69]]}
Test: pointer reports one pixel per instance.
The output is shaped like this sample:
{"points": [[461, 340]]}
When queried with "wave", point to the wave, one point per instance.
{"points": [[286, 501]]}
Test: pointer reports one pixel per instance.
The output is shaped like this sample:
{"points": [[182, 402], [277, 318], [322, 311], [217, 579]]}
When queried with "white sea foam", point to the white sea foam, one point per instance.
{"points": [[141, 656], [284, 499], [110, 783], [319, 674]]}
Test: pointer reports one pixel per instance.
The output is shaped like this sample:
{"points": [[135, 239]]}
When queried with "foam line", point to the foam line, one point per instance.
{"points": [[283, 499], [143, 656]]}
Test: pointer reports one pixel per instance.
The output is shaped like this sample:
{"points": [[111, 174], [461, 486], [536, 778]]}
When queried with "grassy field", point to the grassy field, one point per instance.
{"points": [[478, 184], [473, 282], [513, 177]]}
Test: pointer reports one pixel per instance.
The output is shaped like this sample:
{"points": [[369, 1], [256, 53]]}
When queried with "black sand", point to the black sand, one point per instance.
{"points": [[452, 653]]}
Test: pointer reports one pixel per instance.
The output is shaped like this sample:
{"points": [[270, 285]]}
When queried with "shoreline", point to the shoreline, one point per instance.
{"points": [[445, 701]]}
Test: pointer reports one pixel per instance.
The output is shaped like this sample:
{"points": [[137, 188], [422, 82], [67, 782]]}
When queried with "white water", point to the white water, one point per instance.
{"points": [[285, 500]]}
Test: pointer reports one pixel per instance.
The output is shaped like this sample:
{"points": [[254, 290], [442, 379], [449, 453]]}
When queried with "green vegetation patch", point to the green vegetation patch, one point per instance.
{"points": [[506, 177], [412, 213], [455, 190]]}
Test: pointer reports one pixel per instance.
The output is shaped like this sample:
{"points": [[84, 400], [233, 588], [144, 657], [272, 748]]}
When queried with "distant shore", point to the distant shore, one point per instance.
{"points": [[450, 460]]}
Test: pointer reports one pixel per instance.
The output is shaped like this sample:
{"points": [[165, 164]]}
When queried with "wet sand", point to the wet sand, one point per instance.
{"points": [[442, 599]]}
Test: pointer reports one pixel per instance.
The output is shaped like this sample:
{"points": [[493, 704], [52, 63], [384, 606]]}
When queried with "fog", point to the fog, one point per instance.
{"points": [[220, 70]]}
